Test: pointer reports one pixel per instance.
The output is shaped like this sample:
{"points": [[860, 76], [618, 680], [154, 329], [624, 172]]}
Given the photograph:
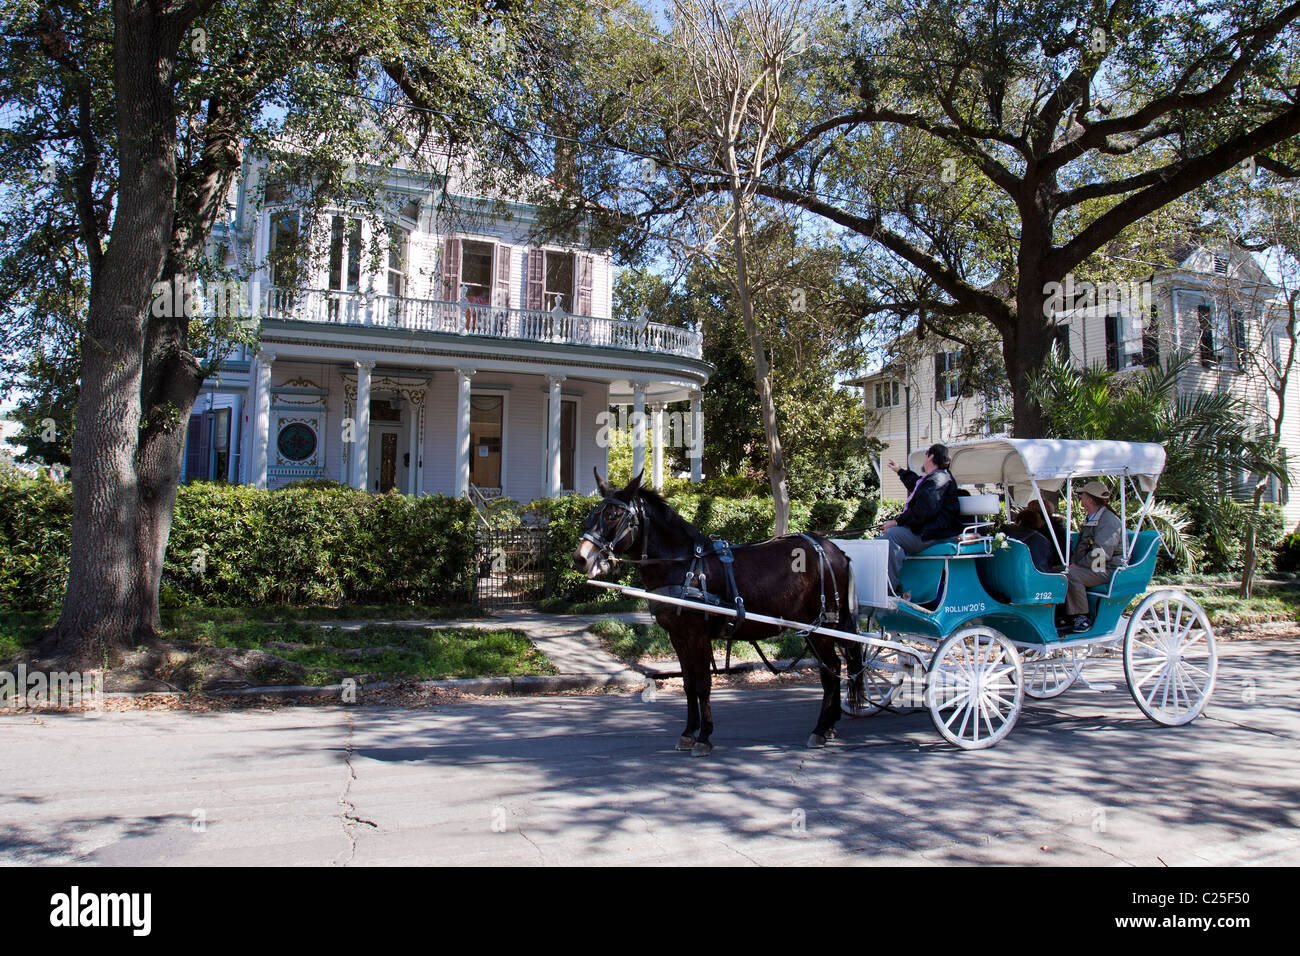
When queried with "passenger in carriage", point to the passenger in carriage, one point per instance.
{"points": [[1096, 556], [1031, 528], [930, 514]]}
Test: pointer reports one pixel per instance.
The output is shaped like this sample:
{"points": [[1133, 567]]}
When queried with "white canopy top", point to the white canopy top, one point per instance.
{"points": [[1048, 461]]}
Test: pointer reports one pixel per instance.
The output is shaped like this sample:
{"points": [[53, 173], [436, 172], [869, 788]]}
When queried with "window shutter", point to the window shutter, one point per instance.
{"points": [[1112, 343], [501, 279], [1206, 322], [195, 460], [586, 267], [940, 383], [536, 279], [451, 270]]}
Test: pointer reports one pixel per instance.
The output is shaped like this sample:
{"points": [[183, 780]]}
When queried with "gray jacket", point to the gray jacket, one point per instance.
{"points": [[1101, 531]]}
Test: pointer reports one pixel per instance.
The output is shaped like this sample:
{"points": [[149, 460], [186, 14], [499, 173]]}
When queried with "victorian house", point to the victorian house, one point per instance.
{"points": [[440, 351], [1218, 305]]}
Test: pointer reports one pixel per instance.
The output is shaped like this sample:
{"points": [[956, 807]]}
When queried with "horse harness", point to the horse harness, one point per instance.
{"points": [[695, 588], [631, 521]]}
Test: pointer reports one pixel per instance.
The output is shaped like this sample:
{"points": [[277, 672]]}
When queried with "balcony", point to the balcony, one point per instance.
{"points": [[329, 307]]}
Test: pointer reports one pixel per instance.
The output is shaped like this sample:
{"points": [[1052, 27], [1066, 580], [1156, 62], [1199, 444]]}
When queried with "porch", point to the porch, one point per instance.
{"points": [[465, 318]]}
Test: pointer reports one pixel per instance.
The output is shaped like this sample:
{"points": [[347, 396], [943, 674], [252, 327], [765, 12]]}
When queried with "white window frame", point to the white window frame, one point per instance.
{"points": [[547, 302], [952, 380], [494, 245]]}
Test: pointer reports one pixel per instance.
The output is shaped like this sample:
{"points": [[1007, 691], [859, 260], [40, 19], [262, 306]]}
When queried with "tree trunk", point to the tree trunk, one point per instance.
{"points": [[171, 385], [1025, 346], [1250, 558], [776, 471], [100, 611]]}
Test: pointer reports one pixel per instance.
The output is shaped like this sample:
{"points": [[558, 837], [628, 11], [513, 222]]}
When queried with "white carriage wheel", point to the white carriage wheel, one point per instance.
{"points": [[1170, 659], [1049, 675], [881, 680], [974, 689]]}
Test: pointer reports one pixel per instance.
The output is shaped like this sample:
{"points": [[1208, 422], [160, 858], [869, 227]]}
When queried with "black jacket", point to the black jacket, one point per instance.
{"points": [[933, 511]]}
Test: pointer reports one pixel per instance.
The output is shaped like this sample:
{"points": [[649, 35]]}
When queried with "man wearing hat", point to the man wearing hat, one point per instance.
{"points": [[1097, 554]]}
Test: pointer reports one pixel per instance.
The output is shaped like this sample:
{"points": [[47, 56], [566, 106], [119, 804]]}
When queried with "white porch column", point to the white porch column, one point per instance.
{"points": [[696, 451], [361, 460], [638, 428], [415, 415], [462, 430], [261, 420], [657, 446], [553, 436]]}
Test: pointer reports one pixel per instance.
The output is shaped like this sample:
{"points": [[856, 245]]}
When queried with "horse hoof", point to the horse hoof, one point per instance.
{"points": [[701, 749], [830, 734], [685, 742], [816, 740]]}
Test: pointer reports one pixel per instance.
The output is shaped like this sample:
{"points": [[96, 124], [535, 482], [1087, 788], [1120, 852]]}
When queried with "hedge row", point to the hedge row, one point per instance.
{"points": [[323, 543], [235, 545]]}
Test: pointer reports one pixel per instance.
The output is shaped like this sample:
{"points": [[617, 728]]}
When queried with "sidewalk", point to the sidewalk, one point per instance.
{"points": [[582, 662]]}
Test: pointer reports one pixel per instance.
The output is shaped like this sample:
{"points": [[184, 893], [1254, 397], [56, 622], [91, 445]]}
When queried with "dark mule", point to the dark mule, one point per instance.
{"points": [[784, 577]]}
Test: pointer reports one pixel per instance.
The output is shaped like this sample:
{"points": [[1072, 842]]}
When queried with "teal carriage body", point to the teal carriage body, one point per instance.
{"points": [[981, 618]]}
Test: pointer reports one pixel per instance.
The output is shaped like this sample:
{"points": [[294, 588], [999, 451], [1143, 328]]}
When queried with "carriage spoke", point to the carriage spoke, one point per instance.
{"points": [[976, 688]]}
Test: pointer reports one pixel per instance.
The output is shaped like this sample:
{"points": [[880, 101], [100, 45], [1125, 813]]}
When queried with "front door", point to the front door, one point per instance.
{"points": [[388, 468]]}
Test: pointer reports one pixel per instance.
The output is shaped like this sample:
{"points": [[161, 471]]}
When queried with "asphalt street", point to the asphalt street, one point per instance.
{"points": [[1084, 779]]}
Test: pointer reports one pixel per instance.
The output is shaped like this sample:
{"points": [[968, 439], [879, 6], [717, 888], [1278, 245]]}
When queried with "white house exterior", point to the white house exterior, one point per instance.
{"points": [[1215, 305], [464, 358]]}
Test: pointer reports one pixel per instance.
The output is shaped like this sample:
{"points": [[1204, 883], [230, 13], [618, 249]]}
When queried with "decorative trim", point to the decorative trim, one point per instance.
{"points": [[411, 388]]}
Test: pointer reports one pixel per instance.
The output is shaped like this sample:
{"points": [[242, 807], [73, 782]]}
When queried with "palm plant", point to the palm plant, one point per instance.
{"points": [[1207, 436]]}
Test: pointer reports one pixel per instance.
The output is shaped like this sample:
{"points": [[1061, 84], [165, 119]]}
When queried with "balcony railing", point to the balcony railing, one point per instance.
{"points": [[329, 307]]}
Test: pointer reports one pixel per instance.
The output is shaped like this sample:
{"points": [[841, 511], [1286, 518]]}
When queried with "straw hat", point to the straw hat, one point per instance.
{"points": [[1097, 490]]}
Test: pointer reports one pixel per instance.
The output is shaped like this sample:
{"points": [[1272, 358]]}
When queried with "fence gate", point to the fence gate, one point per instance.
{"points": [[512, 567]]}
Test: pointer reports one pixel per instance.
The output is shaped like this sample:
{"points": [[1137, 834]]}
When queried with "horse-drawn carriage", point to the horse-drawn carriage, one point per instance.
{"points": [[972, 630]]}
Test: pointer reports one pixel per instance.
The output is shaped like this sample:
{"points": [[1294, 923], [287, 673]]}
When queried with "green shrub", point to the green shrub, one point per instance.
{"points": [[1219, 527], [35, 516], [721, 486], [1287, 555], [234, 545]]}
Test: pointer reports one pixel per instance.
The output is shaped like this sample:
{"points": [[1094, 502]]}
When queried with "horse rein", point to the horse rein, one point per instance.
{"points": [[629, 522]]}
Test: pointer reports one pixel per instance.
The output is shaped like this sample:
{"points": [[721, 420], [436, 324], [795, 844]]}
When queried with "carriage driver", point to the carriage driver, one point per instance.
{"points": [[1097, 554], [930, 514]]}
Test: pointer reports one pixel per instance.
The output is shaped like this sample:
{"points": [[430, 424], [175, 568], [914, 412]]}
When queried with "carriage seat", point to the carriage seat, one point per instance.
{"points": [[1133, 580], [1010, 574], [952, 548], [973, 508]]}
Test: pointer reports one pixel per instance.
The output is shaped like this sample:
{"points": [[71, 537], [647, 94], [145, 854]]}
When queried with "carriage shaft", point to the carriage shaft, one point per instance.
{"points": [[758, 618]]}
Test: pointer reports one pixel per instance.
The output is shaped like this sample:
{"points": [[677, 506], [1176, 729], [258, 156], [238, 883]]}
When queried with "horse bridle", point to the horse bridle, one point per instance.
{"points": [[631, 521]]}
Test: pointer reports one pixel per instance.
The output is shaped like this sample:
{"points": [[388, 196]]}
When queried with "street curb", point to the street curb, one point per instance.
{"points": [[528, 686], [477, 686], [741, 667]]}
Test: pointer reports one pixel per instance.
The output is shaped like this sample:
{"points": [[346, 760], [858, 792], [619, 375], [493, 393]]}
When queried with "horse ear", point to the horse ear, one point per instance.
{"points": [[635, 483], [606, 489]]}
